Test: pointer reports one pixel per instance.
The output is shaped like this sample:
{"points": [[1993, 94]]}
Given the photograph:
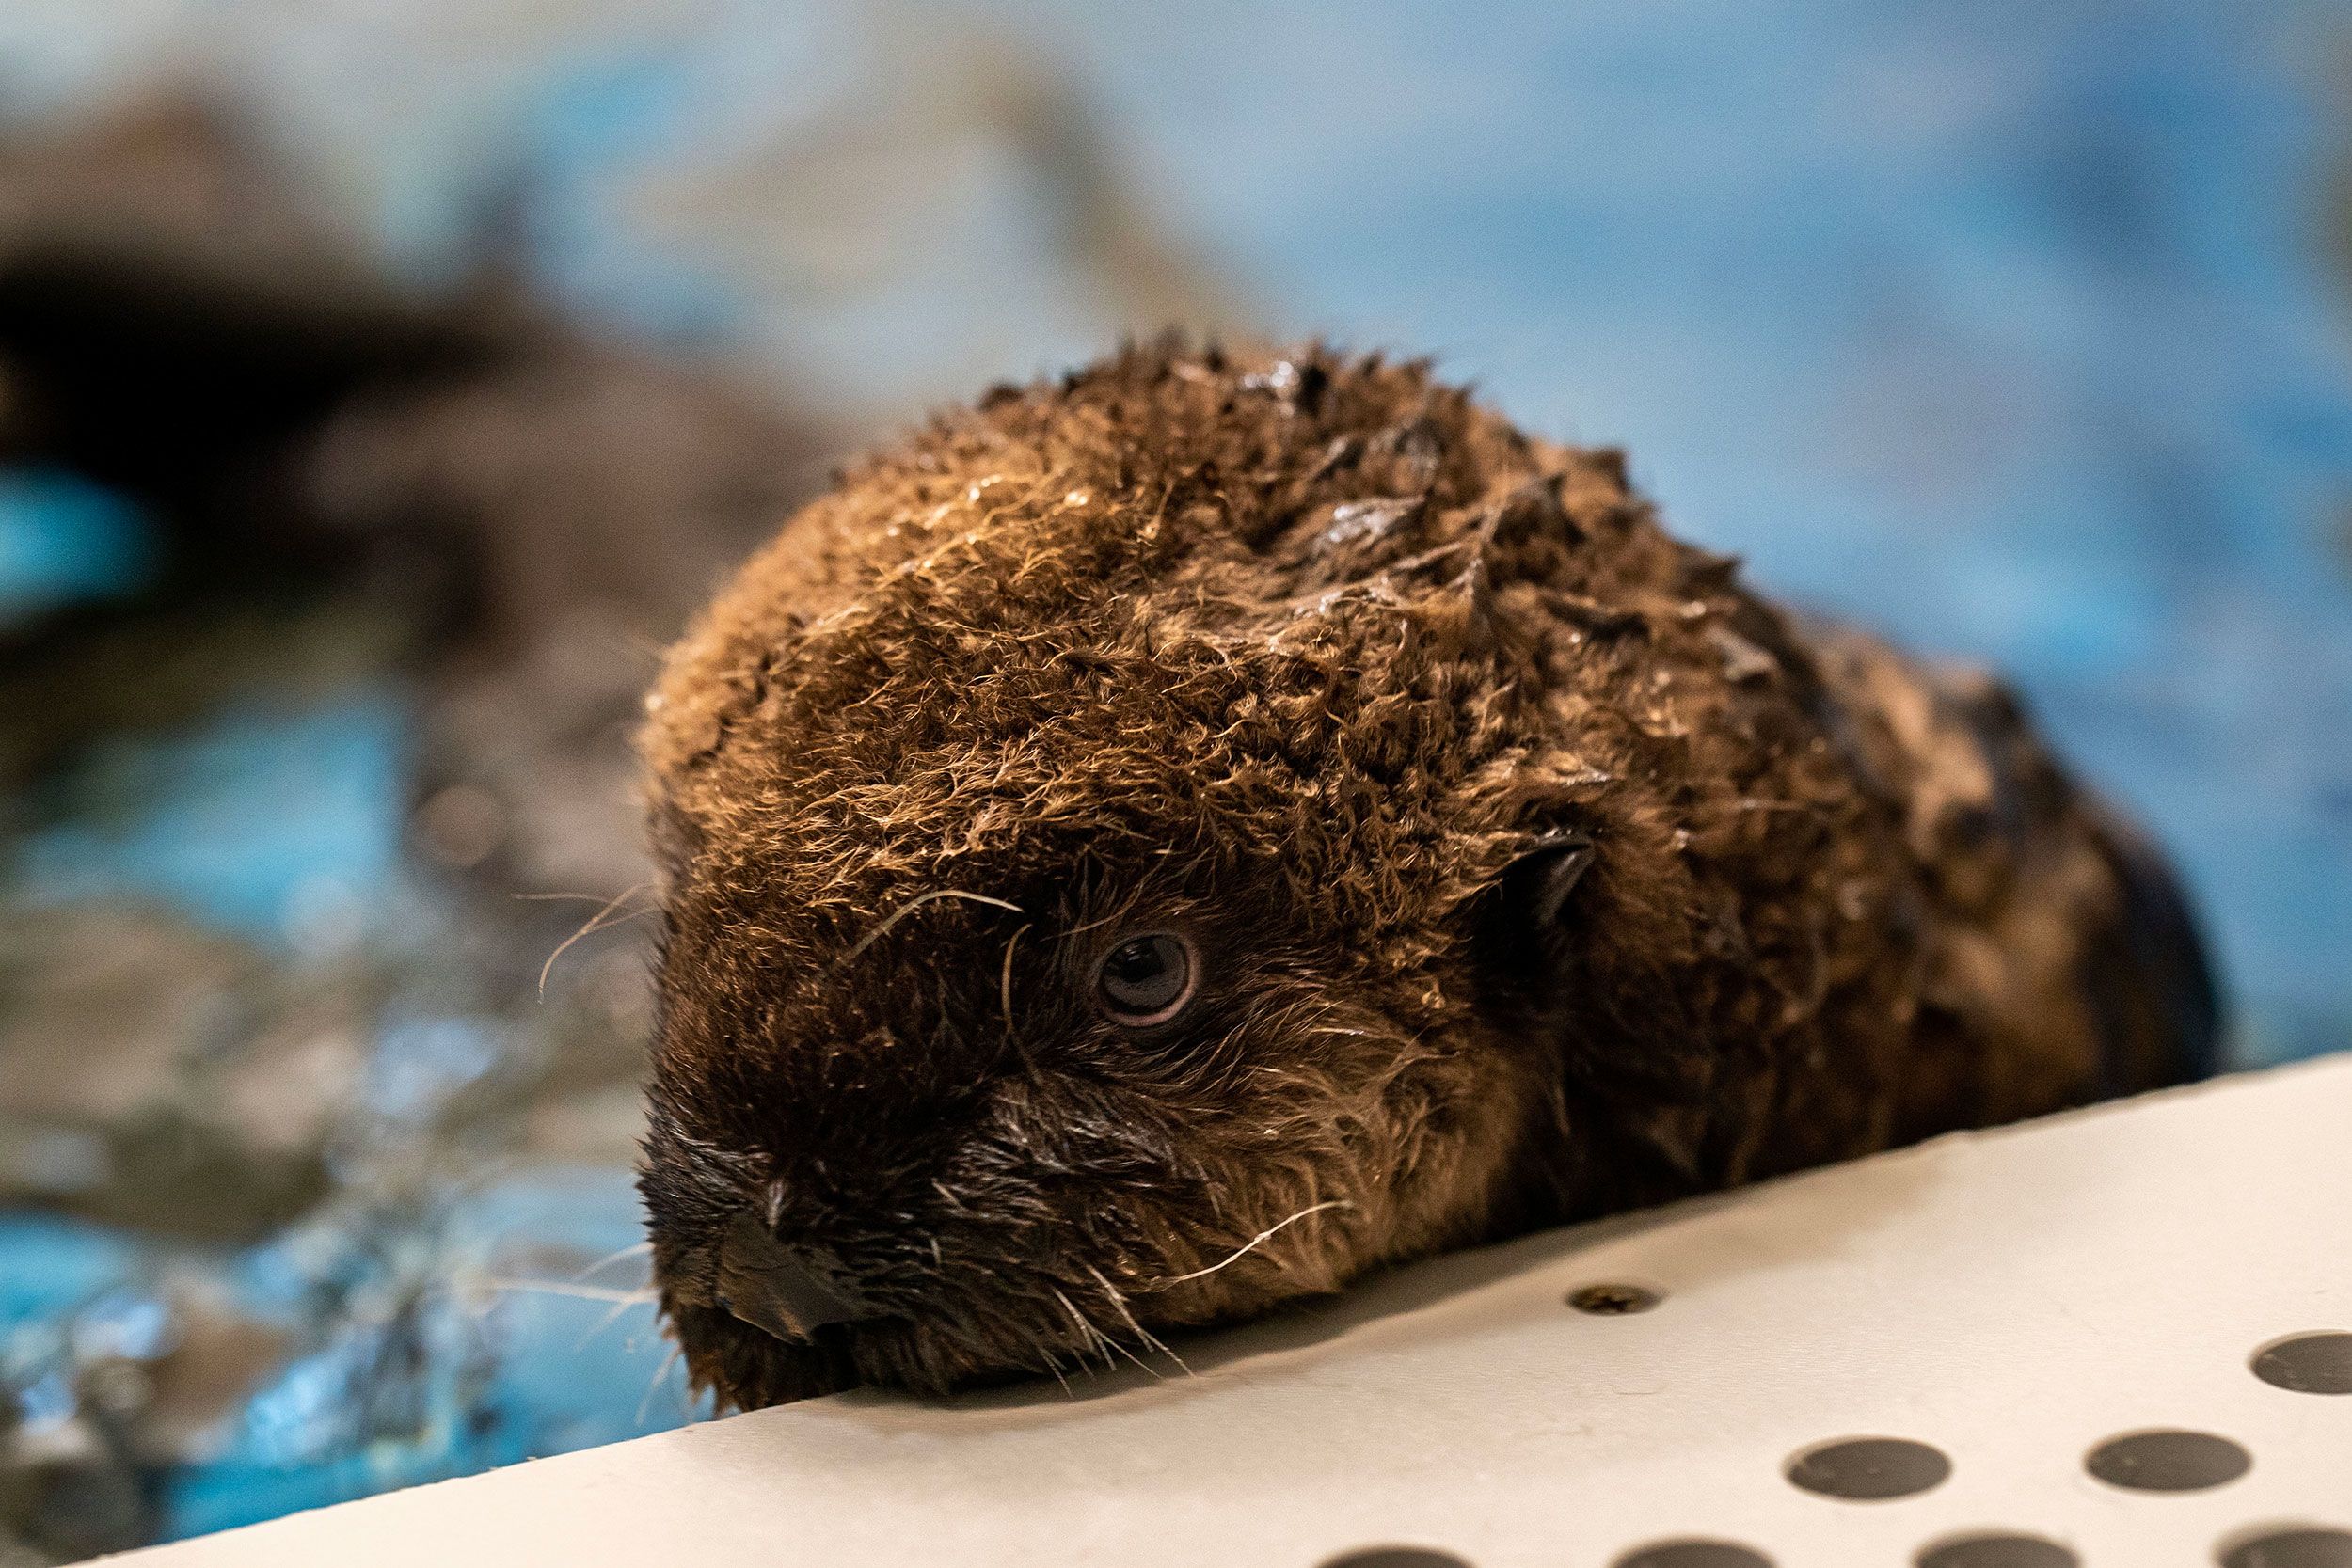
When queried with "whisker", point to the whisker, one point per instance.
{"points": [[1126, 906], [1094, 924], [1108, 1344], [1008, 978], [572, 1289], [659, 1373], [612, 1315], [1085, 1329], [917, 902], [1052, 1363], [1254, 1242], [1149, 1370], [635, 1249], [596, 921], [582, 897], [1095, 1337], [1148, 1339]]}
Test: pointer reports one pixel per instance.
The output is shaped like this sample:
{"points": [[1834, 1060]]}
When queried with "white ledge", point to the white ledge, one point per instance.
{"points": [[2011, 1298]]}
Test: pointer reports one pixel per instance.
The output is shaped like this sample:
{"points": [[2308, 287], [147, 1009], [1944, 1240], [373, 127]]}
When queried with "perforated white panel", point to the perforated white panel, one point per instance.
{"points": [[2020, 1312]]}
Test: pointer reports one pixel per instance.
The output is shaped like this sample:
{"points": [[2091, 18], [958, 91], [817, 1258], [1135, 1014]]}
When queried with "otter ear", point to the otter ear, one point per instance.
{"points": [[1538, 883]]}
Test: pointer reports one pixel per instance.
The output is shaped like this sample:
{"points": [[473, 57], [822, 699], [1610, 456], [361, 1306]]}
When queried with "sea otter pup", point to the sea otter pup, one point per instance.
{"points": [[1162, 843]]}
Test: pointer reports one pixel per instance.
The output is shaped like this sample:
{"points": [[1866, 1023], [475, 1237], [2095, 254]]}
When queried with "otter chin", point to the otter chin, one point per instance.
{"points": [[1159, 844]]}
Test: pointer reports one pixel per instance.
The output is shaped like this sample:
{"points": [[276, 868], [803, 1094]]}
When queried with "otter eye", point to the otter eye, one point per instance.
{"points": [[1146, 980]]}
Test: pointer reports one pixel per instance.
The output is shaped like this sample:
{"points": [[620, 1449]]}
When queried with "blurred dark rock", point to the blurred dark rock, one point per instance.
{"points": [[174, 309], [598, 498], [530, 513], [135, 1382], [160, 1076], [69, 1491], [179, 1401]]}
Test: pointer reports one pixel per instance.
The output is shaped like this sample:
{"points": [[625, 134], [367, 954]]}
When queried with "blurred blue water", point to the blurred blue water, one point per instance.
{"points": [[2017, 329], [55, 1264], [63, 542], [262, 819], [511, 1367]]}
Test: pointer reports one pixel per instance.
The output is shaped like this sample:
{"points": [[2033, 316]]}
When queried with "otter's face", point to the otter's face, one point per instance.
{"points": [[1007, 1027]]}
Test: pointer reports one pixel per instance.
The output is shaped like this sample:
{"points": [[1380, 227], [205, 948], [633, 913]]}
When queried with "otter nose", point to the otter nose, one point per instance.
{"points": [[768, 1286]]}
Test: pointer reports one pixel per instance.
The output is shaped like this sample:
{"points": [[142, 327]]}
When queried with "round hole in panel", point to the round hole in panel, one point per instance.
{"points": [[1692, 1552], [1997, 1549], [2291, 1547], [1614, 1300], [2168, 1459], [1868, 1470], [2307, 1363], [1396, 1557]]}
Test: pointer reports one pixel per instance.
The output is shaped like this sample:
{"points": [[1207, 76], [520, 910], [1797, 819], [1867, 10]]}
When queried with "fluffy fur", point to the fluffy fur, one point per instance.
{"points": [[1317, 661]]}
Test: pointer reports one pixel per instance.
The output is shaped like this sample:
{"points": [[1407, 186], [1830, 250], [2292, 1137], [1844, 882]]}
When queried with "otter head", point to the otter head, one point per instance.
{"points": [[1082, 905]]}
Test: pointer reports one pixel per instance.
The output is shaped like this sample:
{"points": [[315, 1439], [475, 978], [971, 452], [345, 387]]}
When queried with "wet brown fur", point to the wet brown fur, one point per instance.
{"points": [[1312, 657]]}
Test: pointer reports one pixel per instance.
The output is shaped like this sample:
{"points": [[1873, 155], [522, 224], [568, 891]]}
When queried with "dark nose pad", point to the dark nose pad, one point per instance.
{"points": [[768, 1286]]}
